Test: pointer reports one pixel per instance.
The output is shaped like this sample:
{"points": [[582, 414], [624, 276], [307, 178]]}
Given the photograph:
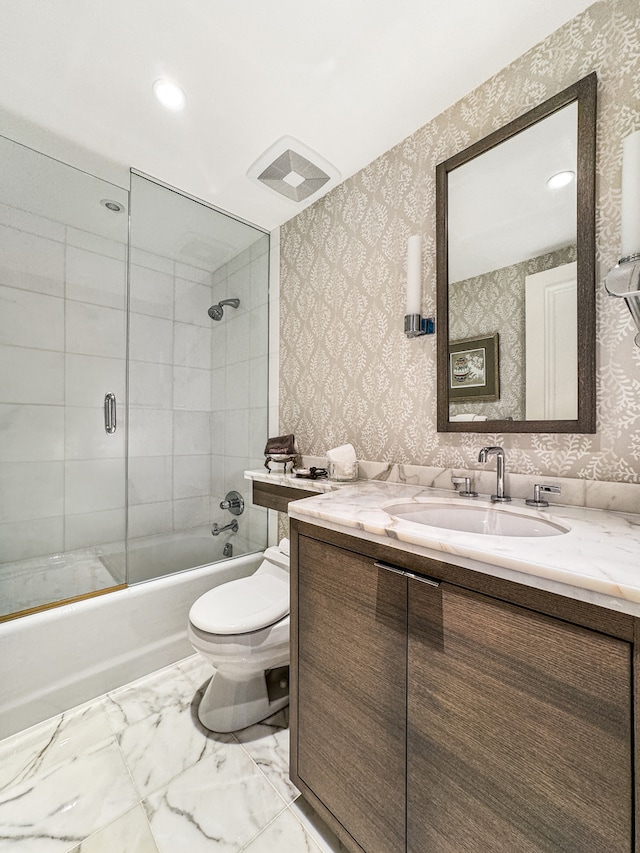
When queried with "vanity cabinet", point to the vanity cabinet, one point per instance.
{"points": [[437, 710]]}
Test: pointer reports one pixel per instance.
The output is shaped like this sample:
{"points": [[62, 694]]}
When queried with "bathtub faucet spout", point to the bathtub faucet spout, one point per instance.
{"points": [[216, 530]]}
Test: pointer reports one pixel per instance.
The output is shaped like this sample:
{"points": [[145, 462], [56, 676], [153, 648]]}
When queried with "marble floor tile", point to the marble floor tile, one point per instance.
{"points": [[267, 743], [220, 804], [37, 750], [197, 670], [147, 696], [61, 807], [128, 834], [324, 837], [164, 745], [285, 833]]}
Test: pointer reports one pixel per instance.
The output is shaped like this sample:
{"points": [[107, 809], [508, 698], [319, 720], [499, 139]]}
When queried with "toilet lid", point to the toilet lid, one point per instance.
{"points": [[240, 606]]}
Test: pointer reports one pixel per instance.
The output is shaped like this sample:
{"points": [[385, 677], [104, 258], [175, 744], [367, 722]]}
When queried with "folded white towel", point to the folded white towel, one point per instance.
{"points": [[344, 453], [467, 417]]}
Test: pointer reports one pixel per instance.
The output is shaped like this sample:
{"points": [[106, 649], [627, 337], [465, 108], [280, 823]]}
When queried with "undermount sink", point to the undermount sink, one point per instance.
{"points": [[476, 518]]}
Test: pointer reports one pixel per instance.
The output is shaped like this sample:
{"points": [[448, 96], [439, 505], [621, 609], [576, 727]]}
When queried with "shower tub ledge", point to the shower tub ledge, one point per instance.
{"points": [[54, 660]]}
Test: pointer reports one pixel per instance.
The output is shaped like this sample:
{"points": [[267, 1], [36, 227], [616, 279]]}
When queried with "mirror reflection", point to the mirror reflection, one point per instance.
{"points": [[508, 229]]}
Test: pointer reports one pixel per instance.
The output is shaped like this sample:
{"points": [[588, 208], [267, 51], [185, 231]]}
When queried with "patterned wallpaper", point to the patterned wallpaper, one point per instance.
{"points": [[500, 310], [348, 373]]}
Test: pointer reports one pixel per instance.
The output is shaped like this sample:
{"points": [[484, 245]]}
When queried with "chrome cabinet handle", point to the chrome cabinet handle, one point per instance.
{"points": [[412, 575], [110, 413]]}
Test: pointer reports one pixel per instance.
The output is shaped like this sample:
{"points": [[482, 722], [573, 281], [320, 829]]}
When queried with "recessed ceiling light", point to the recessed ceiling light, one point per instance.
{"points": [[169, 94], [112, 205], [561, 179]]}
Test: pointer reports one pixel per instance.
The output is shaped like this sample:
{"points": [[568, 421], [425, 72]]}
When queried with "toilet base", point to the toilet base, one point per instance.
{"points": [[230, 704]]}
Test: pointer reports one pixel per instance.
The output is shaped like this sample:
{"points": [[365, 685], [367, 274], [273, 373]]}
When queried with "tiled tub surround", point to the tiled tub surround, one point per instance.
{"points": [[135, 771], [198, 393], [596, 561]]}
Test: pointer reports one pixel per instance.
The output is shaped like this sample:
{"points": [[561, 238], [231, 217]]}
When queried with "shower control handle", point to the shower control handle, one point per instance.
{"points": [[234, 502], [110, 413]]}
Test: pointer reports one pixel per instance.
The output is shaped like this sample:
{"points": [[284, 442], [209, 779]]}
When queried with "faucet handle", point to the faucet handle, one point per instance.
{"points": [[466, 492], [537, 489]]}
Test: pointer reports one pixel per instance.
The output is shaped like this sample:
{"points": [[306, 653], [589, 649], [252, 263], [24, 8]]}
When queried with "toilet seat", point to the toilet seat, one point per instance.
{"points": [[241, 606]]}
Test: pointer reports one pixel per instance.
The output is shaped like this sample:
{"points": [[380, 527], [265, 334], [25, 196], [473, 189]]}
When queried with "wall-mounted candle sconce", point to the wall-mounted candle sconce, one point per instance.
{"points": [[624, 279], [415, 324]]}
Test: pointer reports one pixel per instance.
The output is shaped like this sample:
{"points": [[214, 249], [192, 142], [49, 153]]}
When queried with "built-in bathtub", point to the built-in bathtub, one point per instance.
{"points": [[59, 658]]}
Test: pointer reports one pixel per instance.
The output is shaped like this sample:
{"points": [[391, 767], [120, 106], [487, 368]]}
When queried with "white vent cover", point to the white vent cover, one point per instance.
{"points": [[293, 170]]}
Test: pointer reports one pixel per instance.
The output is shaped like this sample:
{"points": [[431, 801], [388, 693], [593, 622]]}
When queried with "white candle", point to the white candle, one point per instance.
{"points": [[631, 195], [414, 270]]}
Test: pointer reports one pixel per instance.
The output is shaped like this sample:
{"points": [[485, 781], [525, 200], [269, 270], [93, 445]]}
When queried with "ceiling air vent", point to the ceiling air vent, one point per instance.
{"points": [[293, 170]]}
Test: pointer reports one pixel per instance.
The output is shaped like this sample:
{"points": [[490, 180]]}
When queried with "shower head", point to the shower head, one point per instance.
{"points": [[216, 311]]}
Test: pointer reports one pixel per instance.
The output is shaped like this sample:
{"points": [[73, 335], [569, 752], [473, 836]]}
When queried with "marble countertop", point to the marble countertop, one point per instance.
{"points": [[277, 478], [597, 561]]}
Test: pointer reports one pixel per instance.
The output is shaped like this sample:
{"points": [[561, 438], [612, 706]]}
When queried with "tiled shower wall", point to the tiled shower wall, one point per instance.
{"points": [[198, 391], [62, 334]]}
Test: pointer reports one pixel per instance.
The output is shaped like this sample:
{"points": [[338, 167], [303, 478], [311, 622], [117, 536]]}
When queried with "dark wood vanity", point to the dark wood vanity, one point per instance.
{"points": [[435, 709]]}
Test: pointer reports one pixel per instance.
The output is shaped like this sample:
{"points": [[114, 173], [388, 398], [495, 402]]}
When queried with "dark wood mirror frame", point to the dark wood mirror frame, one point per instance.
{"points": [[584, 93]]}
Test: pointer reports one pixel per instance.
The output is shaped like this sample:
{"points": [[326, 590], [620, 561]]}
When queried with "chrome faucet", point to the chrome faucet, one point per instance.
{"points": [[216, 530], [500, 459]]}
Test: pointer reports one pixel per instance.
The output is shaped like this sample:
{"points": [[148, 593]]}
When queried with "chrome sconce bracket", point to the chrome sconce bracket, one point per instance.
{"points": [[623, 282], [415, 325]]}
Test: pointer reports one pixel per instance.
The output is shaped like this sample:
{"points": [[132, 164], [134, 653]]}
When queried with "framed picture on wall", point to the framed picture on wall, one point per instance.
{"points": [[474, 370]]}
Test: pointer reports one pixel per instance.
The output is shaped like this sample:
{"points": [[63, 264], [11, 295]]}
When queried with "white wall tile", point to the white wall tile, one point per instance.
{"points": [[258, 432], [98, 244], [88, 378], [94, 528], [150, 339], [31, 319], [191, 389], [192, 476], [192, 345], [258, 382], [91, 486], [259, 333], [153, 262], [237, 386], [21, 540], [31, 490], [190, 512], [260, 281], [193, 302], [150, 479], [239, 285], [151, 292], [95, 330], [31, 263], [218, 387], [218, 420], [95, 278], [149, 519], [31, 433], [22, 220], [151, 384], [192, 433], [219, 345], [86, 438], [150, 432], [31, 376], [195, 274], [238, 339], [237, 433]]}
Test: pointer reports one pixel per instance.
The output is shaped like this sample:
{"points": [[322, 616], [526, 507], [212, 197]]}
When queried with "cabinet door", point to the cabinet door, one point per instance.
{"points": [[519, 730], [351, 708]]}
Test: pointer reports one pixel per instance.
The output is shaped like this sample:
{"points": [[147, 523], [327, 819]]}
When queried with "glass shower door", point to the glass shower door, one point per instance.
{"points": [[63, 254]]}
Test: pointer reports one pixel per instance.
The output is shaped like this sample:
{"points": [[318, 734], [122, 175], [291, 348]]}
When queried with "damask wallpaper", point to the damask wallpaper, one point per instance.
{"points": [[347, 371], [500, 310]]}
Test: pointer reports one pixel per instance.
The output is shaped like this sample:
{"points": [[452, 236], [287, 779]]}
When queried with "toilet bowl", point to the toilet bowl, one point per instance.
{"points": [[242, 629]]}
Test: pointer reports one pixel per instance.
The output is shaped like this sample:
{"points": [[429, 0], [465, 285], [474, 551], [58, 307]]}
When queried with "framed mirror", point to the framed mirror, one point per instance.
{"points": [[515, 233]]}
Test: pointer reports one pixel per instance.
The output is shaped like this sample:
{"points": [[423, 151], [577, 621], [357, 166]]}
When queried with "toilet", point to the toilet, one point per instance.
{"points": [[242, 629]]}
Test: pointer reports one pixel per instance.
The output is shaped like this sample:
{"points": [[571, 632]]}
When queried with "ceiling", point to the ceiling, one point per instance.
{"points": [[348, 78]]}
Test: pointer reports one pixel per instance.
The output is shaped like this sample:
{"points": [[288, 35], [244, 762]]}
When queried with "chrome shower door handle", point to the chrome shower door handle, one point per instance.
{"points": [[110, 413]]}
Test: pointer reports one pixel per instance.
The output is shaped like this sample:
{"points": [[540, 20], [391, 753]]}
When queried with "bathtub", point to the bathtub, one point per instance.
{"points": [[59, 658]]}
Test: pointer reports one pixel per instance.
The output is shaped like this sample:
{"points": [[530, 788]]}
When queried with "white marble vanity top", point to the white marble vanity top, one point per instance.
{"points": [[597, 561]]}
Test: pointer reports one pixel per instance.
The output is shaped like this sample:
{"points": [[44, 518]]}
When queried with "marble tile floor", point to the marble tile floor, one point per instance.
{"points": [[133, 771]]}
